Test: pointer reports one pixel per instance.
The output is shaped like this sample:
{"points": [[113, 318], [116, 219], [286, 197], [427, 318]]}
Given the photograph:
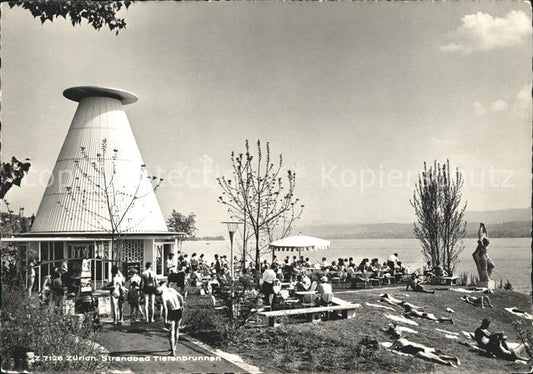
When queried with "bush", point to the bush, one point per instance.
{"points": [[206, 323], [508, 285], [463, 279], [474, 280], [218, 327], [525, 334], [25, 324]]}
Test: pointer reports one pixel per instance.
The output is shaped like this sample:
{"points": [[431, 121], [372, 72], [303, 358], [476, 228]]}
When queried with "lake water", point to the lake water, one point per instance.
{"points": [[512, 256]]}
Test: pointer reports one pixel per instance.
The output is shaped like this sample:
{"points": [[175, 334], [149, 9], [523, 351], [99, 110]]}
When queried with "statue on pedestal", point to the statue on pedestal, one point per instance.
{"points": [[484, 263]]}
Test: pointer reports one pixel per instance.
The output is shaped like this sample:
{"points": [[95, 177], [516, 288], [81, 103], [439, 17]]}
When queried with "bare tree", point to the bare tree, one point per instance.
{"points": [[440, 226], [95, 192], [259, 197]]}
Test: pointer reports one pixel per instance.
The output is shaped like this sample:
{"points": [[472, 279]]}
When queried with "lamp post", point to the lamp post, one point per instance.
{"points": [[232, 227]]}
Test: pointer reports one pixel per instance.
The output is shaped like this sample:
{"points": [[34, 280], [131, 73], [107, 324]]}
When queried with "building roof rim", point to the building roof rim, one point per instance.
{"points": [[80, 92]]}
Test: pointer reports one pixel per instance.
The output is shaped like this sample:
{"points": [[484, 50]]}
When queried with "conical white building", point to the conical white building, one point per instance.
{"points": [[100, 202], [99, 157]]}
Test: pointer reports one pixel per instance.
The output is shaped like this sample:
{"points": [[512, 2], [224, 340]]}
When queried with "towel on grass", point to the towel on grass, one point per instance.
{"points": [[451, 336], [470, 290], [406, 329], [447, 332], [401, 319], [380, 306], [518, 312]]}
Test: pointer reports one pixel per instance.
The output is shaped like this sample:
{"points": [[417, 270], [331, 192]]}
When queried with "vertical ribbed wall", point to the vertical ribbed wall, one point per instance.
{"points": [[75, 199]]}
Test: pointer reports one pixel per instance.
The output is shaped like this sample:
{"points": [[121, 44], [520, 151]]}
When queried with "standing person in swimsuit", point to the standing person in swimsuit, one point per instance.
{"points": [[31, 275], [173, 304], [149, 288], [117, 295]]}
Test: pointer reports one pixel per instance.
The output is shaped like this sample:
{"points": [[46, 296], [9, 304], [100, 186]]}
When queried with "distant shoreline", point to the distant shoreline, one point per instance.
{"points": [[368, 238], [514, 229]]}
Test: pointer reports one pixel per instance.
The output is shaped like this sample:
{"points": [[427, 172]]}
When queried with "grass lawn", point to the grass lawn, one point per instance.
{"points": [[349, 345]]}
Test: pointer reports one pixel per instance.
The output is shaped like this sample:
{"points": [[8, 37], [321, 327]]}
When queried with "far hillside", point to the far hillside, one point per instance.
{"points": [[499, 216], [509, 223]]}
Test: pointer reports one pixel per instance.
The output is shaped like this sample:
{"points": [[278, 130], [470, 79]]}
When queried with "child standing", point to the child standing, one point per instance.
{"points": [[134, 297]]}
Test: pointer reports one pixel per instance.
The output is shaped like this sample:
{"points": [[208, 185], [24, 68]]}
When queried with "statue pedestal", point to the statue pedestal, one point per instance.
{"points": [[490, 284]]}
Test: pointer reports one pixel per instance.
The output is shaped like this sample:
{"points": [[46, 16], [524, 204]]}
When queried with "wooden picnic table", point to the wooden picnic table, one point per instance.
{"points": [[302, 293], [347, 311]]}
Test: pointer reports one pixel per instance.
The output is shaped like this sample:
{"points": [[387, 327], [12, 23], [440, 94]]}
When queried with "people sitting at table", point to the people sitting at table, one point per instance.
{"points": [[427, 269], [300, 284], [415, 285], [375, 268], [439, 270], [350, 273], [392, 261], [363, 266], [325, 291], [401, 268], [306, 280]]}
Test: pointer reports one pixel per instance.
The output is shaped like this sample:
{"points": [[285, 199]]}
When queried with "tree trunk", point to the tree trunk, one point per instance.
{"points": [[257, 254]]}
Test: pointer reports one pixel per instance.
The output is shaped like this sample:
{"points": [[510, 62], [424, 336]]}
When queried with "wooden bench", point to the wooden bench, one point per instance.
{"points": [[337, 301], [449, 281], [347, 311]]}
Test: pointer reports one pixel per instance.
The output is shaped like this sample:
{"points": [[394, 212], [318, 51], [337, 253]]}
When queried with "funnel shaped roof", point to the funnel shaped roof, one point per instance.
{"points": [[99, 182]]}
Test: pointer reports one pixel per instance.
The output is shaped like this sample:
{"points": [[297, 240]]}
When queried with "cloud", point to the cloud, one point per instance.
{"points": [[479, 110], [483, 32], [498, 106], [520, 105], [522, 102]]}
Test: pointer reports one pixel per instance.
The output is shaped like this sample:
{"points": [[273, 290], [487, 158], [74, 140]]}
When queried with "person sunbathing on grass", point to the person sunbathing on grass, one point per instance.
{"points": [[386, 298], [415, 285], [477, 301], [411, 312], [393, 331], [427, 353], [496, 343]]}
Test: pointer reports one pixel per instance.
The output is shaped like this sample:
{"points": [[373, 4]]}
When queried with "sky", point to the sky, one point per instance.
{"points": [[355, 96]]}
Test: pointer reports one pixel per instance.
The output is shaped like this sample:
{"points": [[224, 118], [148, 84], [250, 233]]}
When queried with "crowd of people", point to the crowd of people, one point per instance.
{"points": [[300, 273]]}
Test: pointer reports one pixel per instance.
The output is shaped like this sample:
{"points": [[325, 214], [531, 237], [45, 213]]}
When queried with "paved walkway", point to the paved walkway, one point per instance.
{"points": [[145, 348]]}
